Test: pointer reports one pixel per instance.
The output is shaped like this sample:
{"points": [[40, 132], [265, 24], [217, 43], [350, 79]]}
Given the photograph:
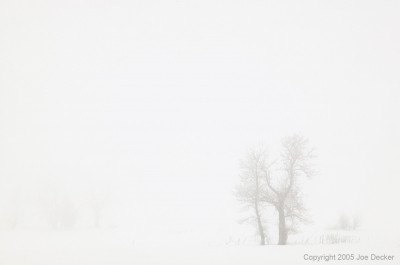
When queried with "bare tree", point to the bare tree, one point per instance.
{"points": [[252, 188], [347, 222], [59, 210], [357, 222], [97, 202], [283, 190], [68, 214], [344, 222]]}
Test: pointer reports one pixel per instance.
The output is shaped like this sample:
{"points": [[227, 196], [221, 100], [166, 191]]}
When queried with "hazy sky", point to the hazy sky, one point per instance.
{"points": [[157, 101]]}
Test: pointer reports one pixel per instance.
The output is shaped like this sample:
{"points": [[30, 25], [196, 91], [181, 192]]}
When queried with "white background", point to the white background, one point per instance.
{"points": [[156, 102]]}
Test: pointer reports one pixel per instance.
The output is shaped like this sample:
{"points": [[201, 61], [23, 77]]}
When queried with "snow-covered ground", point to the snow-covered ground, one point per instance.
{"points": [[100, 247]]}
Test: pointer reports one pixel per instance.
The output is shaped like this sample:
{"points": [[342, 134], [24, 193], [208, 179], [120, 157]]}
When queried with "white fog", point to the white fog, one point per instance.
{"points": [[129, 120]]}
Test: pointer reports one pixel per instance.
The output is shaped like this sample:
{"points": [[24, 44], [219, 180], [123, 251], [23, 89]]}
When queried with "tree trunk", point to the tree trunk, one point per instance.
{"points": [[260, 227], [282, 226], [96, 222], [96, 219]]}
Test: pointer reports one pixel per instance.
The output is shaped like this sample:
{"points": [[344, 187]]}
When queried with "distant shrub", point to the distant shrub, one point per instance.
{"points": [[336, 238]]}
